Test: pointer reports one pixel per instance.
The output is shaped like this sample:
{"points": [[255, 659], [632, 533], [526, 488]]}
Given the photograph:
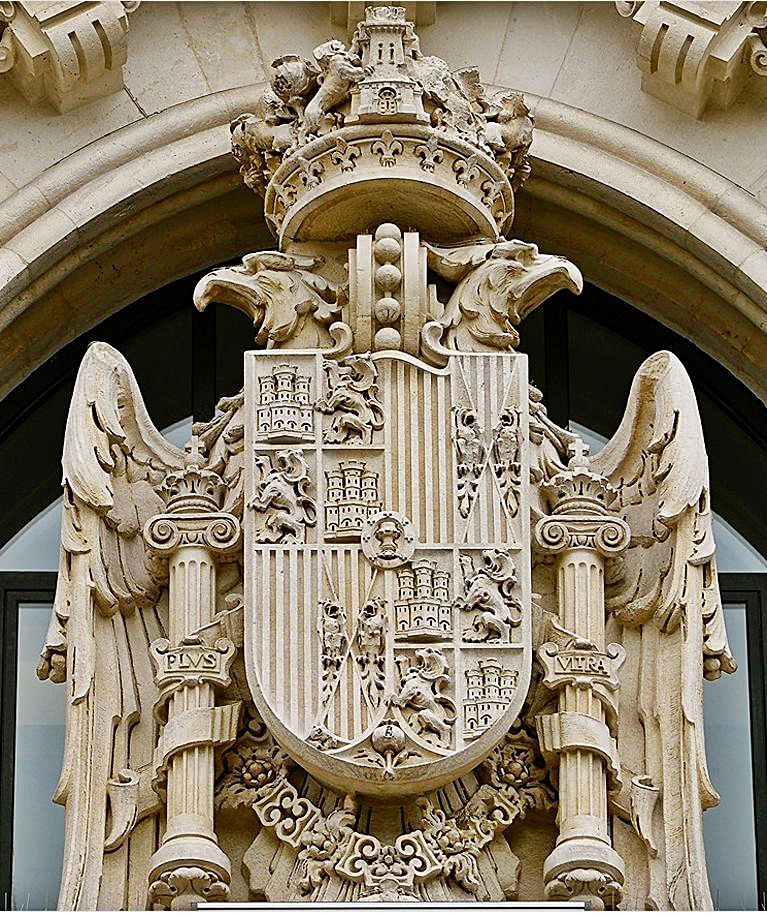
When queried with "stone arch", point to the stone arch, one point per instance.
{"points": [[161, 198]]}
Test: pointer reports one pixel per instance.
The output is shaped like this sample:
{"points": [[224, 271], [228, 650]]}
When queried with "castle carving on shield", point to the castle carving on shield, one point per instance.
{"points": [[351, 494], [285, 411], [383, 631], [423, 608], [489, 687]]}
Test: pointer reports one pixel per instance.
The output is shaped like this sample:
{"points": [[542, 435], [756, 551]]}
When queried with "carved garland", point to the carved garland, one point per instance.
{"points": [[256, 774]]}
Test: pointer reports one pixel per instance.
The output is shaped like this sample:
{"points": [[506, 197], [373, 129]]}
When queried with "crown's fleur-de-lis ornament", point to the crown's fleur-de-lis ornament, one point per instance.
{"points": [[300, 655]]}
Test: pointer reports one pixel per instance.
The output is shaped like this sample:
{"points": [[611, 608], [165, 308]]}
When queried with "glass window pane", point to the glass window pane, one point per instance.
{"points": [[38, 824], [36, 547], [180, 433], [734, 554], [729, 828]]}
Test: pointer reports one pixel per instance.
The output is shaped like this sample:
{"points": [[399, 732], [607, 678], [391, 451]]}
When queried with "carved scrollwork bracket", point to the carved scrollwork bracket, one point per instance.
{"points": [[328, 846]]}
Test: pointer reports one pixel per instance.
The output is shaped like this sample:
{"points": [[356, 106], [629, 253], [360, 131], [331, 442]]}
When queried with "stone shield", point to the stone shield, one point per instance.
{"points": [[387, 561]]}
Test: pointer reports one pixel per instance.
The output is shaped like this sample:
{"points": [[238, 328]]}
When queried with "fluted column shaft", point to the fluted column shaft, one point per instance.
{"points": [[581, 533], [192, 586], [189, 867], [582, 784]]}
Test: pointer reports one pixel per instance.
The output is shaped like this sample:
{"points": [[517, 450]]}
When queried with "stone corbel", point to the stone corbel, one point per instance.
{"points": [[65, 53], [697, 55]]}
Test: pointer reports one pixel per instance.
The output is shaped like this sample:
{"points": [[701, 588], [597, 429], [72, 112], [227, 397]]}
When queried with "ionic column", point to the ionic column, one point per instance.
{"points": [[583, 865], [190, 867]]}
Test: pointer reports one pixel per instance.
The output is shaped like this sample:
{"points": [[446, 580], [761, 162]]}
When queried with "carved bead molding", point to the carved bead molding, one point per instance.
{"points": [[698, 55], [65, 53]]}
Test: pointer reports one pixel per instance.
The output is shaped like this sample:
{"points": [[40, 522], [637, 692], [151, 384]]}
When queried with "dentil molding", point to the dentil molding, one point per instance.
{"points": [[697, 55], [64, 53]]}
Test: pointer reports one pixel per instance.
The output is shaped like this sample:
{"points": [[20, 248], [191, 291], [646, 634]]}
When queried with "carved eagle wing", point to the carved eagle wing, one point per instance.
{"points": [[108, 609], [666, 611]]}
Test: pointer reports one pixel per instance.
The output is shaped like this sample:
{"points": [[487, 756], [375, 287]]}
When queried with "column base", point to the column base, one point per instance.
{"points": [[587, 871], [186, 871]]}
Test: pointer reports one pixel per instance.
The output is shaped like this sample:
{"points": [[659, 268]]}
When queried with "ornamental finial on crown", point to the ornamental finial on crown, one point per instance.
{"points": [[193, 488], [381, 116], [578, 490]]}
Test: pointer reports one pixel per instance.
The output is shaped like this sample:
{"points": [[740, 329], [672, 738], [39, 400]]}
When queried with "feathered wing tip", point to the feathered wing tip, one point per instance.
{"points": [[113, 460], [657, 458], [669, 614]]}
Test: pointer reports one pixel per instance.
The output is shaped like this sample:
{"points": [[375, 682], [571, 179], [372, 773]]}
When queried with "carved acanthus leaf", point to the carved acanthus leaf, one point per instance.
{"points": [[251, 768]]}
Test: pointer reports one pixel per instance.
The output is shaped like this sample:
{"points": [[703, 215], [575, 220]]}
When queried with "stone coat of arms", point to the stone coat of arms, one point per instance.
{"points": [[384, 631]]}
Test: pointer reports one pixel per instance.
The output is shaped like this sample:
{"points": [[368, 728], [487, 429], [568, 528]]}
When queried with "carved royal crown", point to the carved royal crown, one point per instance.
{"points": [[193, 487], [378, 132], [578, 489]]}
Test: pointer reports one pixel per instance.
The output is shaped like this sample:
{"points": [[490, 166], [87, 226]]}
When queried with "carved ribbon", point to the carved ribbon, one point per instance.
{"points": [[570, 731], [205, 726]]}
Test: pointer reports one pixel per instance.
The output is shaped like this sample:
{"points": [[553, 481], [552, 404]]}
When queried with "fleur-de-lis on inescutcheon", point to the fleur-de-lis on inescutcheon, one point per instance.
{"points": [[310, 172], [429, 153], [345, 154], [466, 170], [387, 149]]}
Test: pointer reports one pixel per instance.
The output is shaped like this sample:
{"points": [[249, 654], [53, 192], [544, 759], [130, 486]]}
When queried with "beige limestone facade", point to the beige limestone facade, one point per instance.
{"points": [[89, 195], [498, 642]]}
